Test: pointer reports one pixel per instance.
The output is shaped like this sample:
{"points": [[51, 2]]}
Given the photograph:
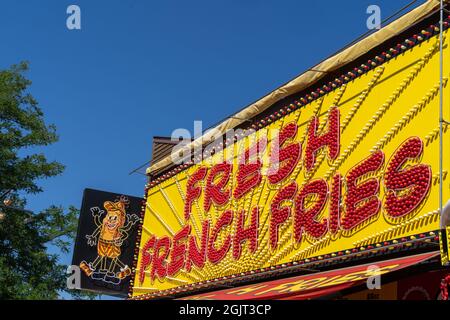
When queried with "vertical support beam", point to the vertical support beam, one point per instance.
{"points": [[441, 102]]}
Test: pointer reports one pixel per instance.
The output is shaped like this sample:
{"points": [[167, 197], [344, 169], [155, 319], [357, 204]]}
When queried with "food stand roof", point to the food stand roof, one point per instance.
{"points": [[315, 285]]}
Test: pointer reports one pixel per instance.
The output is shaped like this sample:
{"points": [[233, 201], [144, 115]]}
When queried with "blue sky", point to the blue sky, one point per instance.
{"points": [[141, 68]]}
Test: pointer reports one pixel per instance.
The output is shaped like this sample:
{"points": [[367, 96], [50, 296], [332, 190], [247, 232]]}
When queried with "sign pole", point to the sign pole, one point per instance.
{"points": [[441, 100]]}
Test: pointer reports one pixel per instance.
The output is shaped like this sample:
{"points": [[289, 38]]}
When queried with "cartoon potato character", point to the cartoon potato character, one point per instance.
{"points": [[110, 233]]}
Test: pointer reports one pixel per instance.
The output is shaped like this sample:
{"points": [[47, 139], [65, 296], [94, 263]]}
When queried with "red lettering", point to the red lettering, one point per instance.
{"points": [[193, 191], [159, 266], [249, 174], [146, 259], [335, 203], [242, 233], [316, 142], [361, 201], [283, 161], [406, 188], [197, 256], [216, 255], [214, 191], [280, 215], [308, 206], [178, 252]]}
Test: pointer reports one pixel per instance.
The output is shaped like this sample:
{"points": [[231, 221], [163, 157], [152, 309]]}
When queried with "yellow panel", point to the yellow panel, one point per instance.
{"points": [[379, 110]]}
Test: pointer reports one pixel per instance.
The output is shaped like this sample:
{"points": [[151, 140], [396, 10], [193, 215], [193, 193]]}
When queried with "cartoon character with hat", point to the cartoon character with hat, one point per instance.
{"points": [[109, 236]]}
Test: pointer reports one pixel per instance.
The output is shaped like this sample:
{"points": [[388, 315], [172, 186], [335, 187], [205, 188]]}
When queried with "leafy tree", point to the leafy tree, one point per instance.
{"points": [[27, 269]]}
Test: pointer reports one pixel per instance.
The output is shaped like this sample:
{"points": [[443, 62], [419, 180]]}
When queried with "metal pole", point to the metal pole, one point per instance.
{"points": [[441, 102]]}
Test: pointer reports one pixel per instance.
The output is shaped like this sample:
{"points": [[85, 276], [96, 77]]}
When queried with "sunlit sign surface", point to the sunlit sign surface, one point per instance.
{"points": [[357, 166]]}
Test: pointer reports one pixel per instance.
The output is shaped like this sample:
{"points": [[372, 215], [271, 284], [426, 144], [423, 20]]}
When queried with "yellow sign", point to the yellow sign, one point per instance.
{"points": [[351, 167]]}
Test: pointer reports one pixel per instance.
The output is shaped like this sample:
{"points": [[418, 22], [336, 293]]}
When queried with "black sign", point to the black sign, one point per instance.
{"points": [[104, 247]]}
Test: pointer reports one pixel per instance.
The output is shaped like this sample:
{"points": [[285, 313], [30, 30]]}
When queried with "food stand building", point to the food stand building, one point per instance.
{"points": [[326, 185]]}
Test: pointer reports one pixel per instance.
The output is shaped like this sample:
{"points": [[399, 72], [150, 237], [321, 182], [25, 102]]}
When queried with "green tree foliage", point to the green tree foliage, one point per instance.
{"points": [[27, 269]]}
